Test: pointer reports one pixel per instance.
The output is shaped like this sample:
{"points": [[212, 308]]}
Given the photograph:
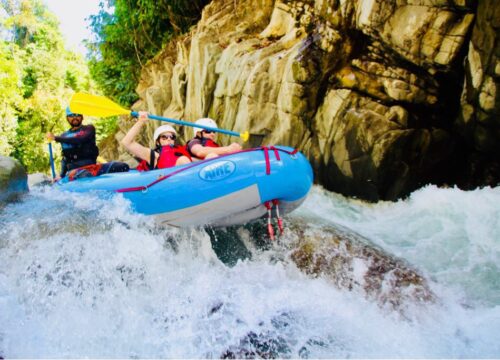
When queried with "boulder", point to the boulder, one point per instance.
{"points": [[343, 257], [13, 179], [38, 179], [351, 262]]}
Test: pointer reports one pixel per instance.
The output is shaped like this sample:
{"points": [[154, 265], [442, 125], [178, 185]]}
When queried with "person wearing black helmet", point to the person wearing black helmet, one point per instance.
{"points": [[78, 144]]}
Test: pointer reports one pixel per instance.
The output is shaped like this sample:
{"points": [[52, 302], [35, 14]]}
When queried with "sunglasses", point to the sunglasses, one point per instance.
{"points": [[207, 131], [167, 137], [73, 115]]}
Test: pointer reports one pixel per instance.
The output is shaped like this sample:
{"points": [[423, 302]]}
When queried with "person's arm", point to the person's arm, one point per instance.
{"points": [[129, 142], [86, 133], [201, 151]]}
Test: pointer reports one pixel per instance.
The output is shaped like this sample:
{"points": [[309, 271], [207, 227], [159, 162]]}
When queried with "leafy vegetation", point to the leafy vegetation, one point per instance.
{"points": [[38, 78], [128, 34], [38, 75]]}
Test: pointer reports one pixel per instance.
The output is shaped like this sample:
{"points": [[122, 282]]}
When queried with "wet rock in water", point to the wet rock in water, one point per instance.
{"points": [[227, 244], [270, 342], [350, 262], [215, 308], [38, 179], [347, 259], [260, 346], [13, 179]]}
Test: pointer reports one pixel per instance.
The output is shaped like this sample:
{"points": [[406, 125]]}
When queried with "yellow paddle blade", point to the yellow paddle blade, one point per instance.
{"points": [[94, 105], [245, 135]]}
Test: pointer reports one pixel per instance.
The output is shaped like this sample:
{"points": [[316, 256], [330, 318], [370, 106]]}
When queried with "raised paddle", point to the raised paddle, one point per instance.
{"points": [[100, 106]]}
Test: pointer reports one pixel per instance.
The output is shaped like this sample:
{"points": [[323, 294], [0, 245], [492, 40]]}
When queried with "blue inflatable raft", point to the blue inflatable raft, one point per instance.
{"points": [[228, 190]]}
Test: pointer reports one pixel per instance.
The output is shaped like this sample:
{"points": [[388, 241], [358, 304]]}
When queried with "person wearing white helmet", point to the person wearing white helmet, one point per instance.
{"points": [[203, 145], [165, 155]]}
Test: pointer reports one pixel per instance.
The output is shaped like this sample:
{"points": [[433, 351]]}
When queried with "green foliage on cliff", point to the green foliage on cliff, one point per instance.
{"points": [[38, 77], [130, 32]]}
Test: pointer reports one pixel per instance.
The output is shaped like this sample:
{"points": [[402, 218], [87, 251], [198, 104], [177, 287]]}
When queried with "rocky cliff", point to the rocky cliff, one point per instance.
{"points": [[383, 96]]}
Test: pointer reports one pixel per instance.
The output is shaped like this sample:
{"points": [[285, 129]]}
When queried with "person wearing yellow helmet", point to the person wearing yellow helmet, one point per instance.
{"points": [[166, 153], [203, 145]]}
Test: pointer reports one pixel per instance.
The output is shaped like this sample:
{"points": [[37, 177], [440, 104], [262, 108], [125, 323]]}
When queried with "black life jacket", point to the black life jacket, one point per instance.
{"points": [[77, 152]]}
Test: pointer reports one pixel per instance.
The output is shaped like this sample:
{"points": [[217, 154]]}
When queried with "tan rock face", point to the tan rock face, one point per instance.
{"points": [[369, 90]]}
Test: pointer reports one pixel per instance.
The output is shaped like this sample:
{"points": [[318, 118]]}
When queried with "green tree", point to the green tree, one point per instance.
{"points": [[130, 32], [10, 99], [40, 76]]}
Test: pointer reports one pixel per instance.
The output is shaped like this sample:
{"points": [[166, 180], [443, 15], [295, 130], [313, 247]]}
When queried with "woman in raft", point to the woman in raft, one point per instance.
{"points": [[165, 155]]}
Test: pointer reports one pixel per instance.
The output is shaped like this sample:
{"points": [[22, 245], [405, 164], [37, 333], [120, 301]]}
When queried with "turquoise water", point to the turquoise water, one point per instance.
{"points": [[83, 277]]}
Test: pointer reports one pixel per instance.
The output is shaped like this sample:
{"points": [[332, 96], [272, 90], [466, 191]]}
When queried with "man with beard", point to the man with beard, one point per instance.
{"points": [[78, 144]]}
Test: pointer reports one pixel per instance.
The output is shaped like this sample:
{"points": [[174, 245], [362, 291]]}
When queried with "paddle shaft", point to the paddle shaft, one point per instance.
{"points": [[101, 106], [185, 123], [51, 157]]}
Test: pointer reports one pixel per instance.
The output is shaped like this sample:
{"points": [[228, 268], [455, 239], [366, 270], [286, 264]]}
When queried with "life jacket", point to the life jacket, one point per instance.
{"points": [[209, 143], [168, 157], [84, 171], [97, 169], [143, 166], [77, 152], [204, 142]]}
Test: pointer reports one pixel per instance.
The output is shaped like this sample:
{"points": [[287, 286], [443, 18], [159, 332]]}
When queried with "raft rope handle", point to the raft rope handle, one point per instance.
{"points": [[268, 162], [266, 156], [269, 206], [270, 229], [264, 148], [280, 219]]}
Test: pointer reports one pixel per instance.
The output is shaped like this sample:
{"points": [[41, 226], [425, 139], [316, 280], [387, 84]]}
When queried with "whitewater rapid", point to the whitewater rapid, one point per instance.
{"points": [[81, 276]]}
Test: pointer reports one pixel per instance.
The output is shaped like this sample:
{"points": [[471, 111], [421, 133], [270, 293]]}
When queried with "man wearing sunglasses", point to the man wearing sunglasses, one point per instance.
{"points": [[203, 145], [166, 153], [78, 144]]}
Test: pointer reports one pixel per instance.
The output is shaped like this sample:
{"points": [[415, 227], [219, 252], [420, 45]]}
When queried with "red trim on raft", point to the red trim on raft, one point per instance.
{"points": [[263, 148]]}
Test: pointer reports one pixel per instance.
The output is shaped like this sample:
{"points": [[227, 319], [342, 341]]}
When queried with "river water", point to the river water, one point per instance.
{"points": [[81, 276]]}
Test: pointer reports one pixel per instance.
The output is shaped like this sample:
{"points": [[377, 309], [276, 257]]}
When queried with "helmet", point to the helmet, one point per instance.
{"points": [[70, 113], [205, 122], [161, 129]]}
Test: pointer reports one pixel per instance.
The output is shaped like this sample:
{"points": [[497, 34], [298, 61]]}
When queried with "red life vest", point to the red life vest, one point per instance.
{"points": [[143, 166], [169, 155], [204, 142], [209, 143], [168, 158], [84, 171]]}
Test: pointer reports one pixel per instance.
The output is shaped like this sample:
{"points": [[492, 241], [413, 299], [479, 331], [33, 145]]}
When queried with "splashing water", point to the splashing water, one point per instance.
{"points": [[81, 276], [451, 234]]}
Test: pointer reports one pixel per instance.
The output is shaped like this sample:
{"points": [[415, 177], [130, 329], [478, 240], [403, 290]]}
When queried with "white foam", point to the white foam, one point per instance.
{"points": [[84, 277], [452, 235]]}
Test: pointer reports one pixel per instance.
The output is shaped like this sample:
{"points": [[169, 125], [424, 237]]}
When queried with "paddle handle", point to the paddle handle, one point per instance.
{"points": [[51, 157], [244, 135]]}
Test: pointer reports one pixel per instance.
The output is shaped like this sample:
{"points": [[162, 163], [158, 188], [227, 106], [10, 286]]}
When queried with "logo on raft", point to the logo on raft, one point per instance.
{"points": [[217, 171]]}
